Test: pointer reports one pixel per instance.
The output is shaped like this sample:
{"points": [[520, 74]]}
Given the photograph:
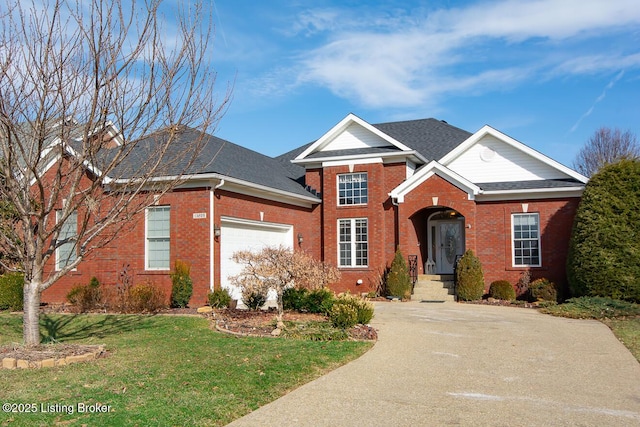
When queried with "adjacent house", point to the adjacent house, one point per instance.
{"points": [[351, 198]]}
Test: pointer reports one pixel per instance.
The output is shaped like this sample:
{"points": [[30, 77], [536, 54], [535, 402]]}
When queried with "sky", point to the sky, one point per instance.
{"points": [[548, 73]]}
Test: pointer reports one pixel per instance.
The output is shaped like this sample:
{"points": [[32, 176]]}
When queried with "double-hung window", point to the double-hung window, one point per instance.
{"points": [[157, 238], [526, 240], [66, 253], [352, 189], [353, 242]]}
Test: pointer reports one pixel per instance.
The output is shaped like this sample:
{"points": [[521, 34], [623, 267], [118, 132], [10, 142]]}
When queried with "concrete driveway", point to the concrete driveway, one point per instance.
{"points": [[470, 365]]}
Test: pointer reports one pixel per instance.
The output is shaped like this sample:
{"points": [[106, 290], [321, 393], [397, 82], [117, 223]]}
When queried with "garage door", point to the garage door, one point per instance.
{"points": [[238, 234]]}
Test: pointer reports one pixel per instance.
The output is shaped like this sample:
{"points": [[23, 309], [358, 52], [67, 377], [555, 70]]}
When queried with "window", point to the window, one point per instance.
{"points": [[526, 239], [352, 189], [66, 252], [353, 242], [157, 244]]}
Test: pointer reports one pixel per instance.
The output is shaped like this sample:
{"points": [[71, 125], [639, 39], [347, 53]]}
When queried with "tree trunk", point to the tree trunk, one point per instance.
{"points": [[31, 317], [280, 316]]}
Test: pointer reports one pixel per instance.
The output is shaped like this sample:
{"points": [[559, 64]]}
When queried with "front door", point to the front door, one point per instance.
{"points": [[449, 244]]}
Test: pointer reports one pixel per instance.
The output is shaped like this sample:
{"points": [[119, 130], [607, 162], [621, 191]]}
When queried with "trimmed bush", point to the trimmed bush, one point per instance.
{"points": [[349, 310], [86, 297], [145, 297], [502, 290], [543, 290], [11, 291], [604, 252], [182, 285], [319, 300], [255, 300], [295, 298], [469, 277], [398, 279], [219, 298]]}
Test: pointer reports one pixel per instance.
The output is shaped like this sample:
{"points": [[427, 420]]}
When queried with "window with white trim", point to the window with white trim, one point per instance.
{"points": [[157, 238], [526, 240], [353, 242], [66, 252], [353, 189]]}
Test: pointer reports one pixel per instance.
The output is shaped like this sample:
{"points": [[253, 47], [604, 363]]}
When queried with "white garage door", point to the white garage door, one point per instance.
{"points": [[238, 234]]}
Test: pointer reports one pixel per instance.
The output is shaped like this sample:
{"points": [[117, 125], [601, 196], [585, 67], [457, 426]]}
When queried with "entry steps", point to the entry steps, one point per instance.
{"points": [[434, 288]]}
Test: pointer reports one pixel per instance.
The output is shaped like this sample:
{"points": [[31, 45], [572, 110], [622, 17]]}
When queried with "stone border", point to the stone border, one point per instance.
{"points": [[13, 363]]}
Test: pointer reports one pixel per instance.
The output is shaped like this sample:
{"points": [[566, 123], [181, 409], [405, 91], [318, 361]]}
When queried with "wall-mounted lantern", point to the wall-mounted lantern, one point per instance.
{"points": [[300, 238]]}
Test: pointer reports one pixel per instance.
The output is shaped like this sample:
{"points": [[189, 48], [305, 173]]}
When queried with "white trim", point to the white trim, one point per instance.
{"points": [[426, 172], [353, 242], [146, 238], [211, 240], [534, 193], [238, 186], [228, 220], [352, 162], [341, 127], [488, 130], [513, 247]]}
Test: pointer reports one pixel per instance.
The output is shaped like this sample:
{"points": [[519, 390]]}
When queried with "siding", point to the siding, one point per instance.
{"points": [[355, 136], [478, 164]]}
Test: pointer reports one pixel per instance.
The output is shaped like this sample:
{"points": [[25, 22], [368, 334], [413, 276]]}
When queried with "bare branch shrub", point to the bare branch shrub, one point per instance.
{"points": [[277, 268]]}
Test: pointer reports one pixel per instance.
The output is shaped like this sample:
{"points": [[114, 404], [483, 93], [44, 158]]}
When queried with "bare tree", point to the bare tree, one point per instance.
{"points": [[278, 268], [605, 147], [95, 100]]}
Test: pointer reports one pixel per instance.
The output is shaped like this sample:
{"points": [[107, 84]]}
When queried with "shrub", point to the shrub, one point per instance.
{"points": [[255, 300], [349, 310], [295, 298], [469, 277], [319, 301], [502, 289], [398, 279], [145, 297], [11, 291], [543, 290], [604, 251], [219, 298], [86, 297], [182, 285]]}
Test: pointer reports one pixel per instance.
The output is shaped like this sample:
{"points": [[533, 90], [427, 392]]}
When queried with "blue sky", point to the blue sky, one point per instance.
{"points": [[547, 73]]}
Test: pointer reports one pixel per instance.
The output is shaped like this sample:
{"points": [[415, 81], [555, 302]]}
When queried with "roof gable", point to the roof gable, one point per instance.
{"points": [[491, 156], [352, 133]]}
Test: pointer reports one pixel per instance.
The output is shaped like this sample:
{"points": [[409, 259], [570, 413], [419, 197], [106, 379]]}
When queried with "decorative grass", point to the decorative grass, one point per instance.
{"points": [[161, 370]]}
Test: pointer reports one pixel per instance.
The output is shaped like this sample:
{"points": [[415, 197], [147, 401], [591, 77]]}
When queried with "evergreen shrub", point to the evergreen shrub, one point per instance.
{"points": [[543, 290], [319, 300], [469, 277], [145, 297], [255, 300], [349, 310], [182, 285], [11, 291], [219, 298], [502, 290], [604, 252], [295, 298], [398, 279], [86, 297]]}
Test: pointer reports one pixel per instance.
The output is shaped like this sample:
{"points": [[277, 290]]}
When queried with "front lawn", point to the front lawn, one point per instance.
{"points": [[160, 370]]}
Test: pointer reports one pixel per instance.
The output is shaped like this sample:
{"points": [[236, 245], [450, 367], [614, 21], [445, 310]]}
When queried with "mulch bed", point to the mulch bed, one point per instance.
{"points": [[44, 351]]}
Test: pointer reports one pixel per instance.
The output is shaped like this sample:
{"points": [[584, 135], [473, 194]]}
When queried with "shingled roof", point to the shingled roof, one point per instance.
{"points": [[216, 156]]}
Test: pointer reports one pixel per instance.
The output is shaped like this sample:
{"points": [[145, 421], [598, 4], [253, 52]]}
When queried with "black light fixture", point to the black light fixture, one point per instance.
{"points": [[300, 238]]}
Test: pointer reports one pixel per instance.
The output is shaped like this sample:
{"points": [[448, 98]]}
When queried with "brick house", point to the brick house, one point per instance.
{"points": [[351, 198]]}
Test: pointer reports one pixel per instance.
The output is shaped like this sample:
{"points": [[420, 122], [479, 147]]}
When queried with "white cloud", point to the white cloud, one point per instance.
{"points": [[409, 58]]}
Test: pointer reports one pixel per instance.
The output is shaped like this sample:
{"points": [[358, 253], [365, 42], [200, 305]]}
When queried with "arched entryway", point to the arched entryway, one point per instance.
{"points": [[445, 234], [441, 237]]}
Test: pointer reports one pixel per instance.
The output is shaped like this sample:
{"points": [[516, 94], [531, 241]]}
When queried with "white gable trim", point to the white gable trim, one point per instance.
{"points": [[341, 127], [433, 168], [488, 130]]}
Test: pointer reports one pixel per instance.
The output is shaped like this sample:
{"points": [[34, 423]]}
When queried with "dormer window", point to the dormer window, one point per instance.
{"points": [[352, 189]]}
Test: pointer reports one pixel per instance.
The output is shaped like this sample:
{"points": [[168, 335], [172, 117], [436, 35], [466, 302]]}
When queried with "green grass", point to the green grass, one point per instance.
{"points": [[622, 317], [162, 371]]}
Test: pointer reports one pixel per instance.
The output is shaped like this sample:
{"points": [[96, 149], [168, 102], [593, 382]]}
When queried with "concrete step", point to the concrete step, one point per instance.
{"points": [[430, 288]]}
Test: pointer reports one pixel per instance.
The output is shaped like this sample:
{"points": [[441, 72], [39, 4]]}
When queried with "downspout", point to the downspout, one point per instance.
{"points": [[396, 231], [212, 275]]}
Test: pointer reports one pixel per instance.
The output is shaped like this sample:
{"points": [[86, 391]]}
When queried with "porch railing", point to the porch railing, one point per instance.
{"points": [[413, 270]]}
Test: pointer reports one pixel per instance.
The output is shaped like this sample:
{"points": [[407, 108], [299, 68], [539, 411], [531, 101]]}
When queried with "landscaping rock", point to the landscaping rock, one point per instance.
{"points": [[205, 309]]}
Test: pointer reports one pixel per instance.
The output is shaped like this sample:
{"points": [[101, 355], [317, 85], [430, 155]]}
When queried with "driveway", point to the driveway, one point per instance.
{"points": [[455, 364]]}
